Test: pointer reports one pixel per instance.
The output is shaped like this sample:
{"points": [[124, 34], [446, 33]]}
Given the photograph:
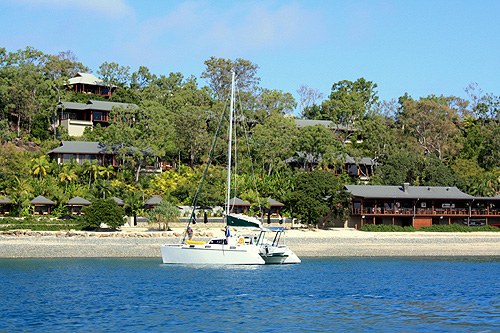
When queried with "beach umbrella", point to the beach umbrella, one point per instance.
{"points": [[205, 218]]}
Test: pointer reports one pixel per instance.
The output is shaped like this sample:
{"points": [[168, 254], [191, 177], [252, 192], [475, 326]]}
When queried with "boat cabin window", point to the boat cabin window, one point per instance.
{"points": [[218, 241]]}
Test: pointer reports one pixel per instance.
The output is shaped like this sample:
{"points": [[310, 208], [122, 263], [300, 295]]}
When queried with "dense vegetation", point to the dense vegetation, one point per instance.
{"points": [[428, 140]]}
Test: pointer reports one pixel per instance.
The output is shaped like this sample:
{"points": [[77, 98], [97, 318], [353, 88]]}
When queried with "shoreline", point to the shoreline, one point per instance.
{"points": [[319, 243]]}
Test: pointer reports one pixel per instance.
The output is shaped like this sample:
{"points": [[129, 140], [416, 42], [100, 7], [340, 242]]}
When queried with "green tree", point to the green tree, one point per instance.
{"points": [[114, 75], [315, 142], [164, 212], [20, 188], [432, 124], [318, 194], [218, 74], [350, 101], [40, 166], [140, 134], [103, 211], [273, 140]]}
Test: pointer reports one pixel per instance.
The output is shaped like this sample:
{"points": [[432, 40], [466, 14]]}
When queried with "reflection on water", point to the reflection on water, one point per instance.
{"points": [[333, 294]]}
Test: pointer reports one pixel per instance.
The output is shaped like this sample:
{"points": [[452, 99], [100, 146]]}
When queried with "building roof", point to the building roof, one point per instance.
{"points": [[327, 123], [86, 147], [86, 78], [81, 147], [274, 203], [95, 105], [406, 192], [153, 201], [107, 106], [73, 106], [238, 202], [345, 158], [78, 201], [4, 200], [41, 200], [119, 201]]}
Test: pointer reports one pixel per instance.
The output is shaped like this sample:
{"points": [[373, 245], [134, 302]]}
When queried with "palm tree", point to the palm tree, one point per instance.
{"points": [[67, 174], [92, 169], [103, 186], [40, 166], [107, 171], [132, 200], [21, 187]]}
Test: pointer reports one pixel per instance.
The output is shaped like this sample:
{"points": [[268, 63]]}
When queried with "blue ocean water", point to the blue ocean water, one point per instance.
{"points": [[321, 294]]}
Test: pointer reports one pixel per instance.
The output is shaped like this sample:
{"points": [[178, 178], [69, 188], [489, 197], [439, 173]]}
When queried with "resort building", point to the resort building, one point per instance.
{"points": [[419, 206], [87, 83], [75, 117], [101, 153], [360, 167], [348, 133]]}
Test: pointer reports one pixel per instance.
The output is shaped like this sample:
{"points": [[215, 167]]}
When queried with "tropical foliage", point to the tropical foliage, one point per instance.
{"points": [[425, 140]]}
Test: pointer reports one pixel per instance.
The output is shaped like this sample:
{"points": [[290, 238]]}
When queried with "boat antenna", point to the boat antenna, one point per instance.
{"points": [[231, 111]]}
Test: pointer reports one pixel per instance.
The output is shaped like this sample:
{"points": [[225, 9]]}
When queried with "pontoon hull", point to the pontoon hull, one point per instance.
{"points": [[213, 255]]}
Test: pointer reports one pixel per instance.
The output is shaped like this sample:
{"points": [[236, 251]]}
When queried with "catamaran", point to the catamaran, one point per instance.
{"points": [[250, 247]]}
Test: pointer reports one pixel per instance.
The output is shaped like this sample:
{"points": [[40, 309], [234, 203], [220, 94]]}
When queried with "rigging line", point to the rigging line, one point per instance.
{"points": [[246, 131], [205, 173]]}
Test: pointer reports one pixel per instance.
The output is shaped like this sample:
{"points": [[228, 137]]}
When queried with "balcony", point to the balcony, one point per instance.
{"points": [[379, 211]]}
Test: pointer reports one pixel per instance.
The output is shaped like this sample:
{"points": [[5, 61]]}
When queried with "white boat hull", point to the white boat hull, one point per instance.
{"points": [[291, 258], [213, 254]]}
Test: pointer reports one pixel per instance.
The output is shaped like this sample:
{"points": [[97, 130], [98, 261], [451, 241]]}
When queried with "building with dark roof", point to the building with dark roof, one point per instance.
{"points": [[419, 206], [360, 167], [42, 205], [347, 131], [5, 205], [76, 204], [75, 117]]}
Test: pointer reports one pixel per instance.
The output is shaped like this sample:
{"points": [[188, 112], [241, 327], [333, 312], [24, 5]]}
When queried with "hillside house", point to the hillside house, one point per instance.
{"points": [[75, 117], [87, 83]]}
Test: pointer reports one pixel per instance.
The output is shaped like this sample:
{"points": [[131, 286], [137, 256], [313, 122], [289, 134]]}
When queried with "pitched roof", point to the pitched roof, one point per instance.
{"points": [[327, 123], [107, 106], [345, 158], [73, 106], [406, 192], [118, 201], [238, 202], [153, 201], [4, 200], [86, 78], [78, 201], [274, 202], [41, 200], [81, 147], [95, 105]]}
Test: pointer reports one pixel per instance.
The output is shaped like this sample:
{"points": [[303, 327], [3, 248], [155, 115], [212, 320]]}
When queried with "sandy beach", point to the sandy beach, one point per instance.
{"points": [[318, 243]]}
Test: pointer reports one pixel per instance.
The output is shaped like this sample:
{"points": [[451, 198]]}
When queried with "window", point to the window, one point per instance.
{"points": [[67, 157]]}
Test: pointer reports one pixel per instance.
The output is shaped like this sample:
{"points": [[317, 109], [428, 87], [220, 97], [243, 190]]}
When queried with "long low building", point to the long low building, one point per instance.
{"points": [[419, 206]]}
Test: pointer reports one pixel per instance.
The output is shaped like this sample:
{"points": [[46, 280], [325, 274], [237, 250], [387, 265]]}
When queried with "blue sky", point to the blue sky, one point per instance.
{"points": [[420, 47]]}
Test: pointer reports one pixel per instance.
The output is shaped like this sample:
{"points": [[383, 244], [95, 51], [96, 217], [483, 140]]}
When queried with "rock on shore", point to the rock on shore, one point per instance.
{"points": [[305, 243]]}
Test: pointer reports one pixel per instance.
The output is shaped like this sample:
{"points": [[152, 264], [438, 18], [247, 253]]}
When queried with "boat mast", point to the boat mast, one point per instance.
{"points": [[231, 109]]}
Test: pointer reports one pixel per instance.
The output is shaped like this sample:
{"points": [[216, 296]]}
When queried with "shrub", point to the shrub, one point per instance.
{"points": [[386, 228], [457, 228], [102, 211]]}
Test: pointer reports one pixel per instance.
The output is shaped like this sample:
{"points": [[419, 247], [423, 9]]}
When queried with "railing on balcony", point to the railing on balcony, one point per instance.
{"points": [[426, 211]]}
